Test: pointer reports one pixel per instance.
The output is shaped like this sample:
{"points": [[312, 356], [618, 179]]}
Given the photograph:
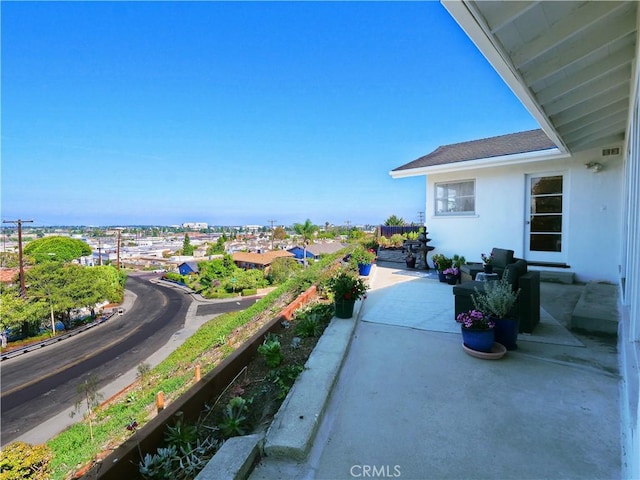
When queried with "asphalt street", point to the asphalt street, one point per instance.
{"points": [[40, 384]]}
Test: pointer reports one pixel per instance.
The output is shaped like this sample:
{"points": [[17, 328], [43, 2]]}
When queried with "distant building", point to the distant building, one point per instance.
{"points": [[195, 226]]}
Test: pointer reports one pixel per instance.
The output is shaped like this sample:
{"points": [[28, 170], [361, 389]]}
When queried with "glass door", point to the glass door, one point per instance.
{"points": [[545, 219]]}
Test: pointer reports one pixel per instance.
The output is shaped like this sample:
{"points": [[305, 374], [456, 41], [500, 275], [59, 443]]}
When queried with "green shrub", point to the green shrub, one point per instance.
{"points": [[175, 277], [21, 461], [247, 292], [311, 321], [396, 240], [234, 421], [182, 435], [284, 378], [271, 350]]}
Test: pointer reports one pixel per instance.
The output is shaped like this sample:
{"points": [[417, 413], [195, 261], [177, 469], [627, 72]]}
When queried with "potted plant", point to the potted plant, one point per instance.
{"points": [[451, 274], [441, 263], [458, 260], [363, 258], [410, 258], [371, 244], [477, 330], [346, 288], [437, 258], [487, 262], [498, 300]]}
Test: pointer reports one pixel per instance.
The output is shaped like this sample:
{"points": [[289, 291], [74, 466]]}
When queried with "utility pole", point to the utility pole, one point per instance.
{"points": [[420, 218], [99, 252], [271, 222], [118, 252], [19, 223]]}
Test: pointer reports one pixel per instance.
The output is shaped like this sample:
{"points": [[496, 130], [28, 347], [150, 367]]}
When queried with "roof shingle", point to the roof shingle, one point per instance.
{"points": [[510, 144]]}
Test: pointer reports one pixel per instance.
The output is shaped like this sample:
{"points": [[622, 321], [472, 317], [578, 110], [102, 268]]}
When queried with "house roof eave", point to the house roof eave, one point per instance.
{"points": [[470, 21], [481, 163]]}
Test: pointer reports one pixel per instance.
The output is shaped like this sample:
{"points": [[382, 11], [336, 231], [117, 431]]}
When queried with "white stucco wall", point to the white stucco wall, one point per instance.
{"points": [[592, 205]]}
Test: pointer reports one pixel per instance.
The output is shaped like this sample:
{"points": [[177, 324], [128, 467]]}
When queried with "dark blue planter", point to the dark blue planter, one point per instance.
{"points": [[442, 277], [364, 269], [344, 308], [506, 332], [478, 340]]}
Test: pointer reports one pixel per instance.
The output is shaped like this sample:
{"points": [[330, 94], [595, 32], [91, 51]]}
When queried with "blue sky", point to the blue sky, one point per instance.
{"points": [[118, 113]]}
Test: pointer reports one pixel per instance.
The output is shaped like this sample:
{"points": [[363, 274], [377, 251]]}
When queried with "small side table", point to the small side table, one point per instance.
{"points": [[485, 277]]}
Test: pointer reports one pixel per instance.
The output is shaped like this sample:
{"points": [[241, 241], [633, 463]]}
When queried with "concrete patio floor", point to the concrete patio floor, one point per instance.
{"points": [[410, 403]]}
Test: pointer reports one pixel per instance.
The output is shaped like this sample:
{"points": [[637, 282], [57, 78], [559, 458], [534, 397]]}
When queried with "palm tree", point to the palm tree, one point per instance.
{"points": [[307, 230], [394, 221]]}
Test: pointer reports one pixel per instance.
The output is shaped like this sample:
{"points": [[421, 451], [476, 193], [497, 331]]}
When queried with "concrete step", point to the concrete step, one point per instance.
{"points": [[597, 309], [555, 276], [388, 255]]}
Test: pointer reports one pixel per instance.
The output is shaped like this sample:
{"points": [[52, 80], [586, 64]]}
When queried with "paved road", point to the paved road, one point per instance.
{"points": [[40, 384]]}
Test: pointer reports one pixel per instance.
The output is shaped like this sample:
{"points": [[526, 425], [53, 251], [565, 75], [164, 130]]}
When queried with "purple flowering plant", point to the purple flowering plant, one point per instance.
{"points": [[451, 271], [476, 320]]}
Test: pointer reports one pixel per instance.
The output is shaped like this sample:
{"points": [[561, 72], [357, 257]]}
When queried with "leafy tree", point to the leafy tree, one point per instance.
{"points": [[9, 259], [56, 249], [356, 234], [216, 269], [65, 287], [51, 284], [218, 247], [394, 221], [282, 269], [187, 248], [94, 285], [18, 312], [252, 278], [307, 230], [330, 234], [279, 233]]}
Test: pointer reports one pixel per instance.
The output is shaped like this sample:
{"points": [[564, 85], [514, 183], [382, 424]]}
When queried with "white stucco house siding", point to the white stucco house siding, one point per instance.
{"points": [[592, 207]]}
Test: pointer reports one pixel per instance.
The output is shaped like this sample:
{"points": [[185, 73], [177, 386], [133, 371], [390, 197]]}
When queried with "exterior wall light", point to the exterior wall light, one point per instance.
{"points": [[595, 167]]}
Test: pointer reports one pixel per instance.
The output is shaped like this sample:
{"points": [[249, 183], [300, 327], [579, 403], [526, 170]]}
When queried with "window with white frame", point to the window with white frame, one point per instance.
{"points": [[455, 198]]}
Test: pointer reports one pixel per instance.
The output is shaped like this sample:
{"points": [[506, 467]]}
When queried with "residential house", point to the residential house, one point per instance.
{"points": [[566, 196], [188, 268], [260, 261]]}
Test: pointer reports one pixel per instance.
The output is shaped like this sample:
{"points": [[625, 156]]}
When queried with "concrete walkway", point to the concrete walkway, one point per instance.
{"points": [[410, 403]]}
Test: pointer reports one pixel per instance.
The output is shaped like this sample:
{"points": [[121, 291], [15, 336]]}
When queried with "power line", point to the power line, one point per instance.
{"points": [[19, 223]]}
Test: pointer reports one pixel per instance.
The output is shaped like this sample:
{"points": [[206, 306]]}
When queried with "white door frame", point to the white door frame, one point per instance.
{"points": [[545, 256]]}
